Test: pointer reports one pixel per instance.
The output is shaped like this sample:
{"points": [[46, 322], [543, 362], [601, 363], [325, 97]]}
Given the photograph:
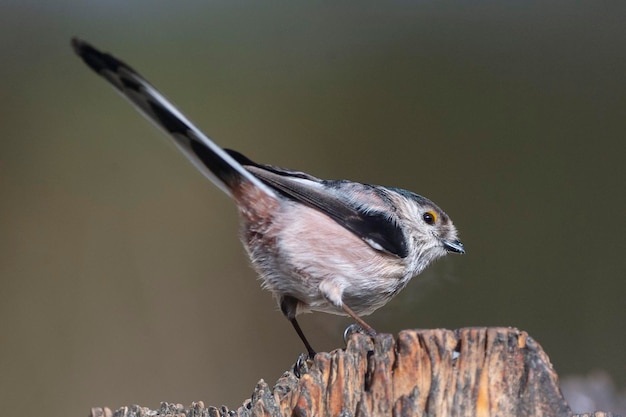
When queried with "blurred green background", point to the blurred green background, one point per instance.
{"points": [[121, 276]]}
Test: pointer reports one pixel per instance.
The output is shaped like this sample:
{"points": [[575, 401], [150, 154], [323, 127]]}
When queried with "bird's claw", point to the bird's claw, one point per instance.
{"points": [[355, 328], [302, 364]]}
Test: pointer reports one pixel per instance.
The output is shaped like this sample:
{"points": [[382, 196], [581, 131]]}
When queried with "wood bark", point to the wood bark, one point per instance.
{"points": [[467, 372]]}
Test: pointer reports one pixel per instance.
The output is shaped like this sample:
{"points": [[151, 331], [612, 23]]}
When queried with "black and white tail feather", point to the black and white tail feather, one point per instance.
{"points": [[213, 161]]}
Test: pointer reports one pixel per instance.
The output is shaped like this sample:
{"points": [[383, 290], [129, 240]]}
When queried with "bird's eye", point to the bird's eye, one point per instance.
{"points": [[429, 217]]}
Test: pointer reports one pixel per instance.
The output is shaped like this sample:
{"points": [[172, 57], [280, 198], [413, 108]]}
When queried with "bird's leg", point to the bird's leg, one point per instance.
{"points": [[289, 305], [368, 329], [310, 351]]}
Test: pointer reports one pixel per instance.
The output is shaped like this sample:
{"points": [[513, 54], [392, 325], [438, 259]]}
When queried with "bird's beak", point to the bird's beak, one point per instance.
{"points": [[453, 246]]}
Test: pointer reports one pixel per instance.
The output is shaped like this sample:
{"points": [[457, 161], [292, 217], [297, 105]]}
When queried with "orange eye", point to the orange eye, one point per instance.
{"points": [[429, 217]]}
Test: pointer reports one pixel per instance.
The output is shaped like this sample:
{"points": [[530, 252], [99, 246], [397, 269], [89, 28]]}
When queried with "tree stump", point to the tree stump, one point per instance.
{"points": [[467, 372]]}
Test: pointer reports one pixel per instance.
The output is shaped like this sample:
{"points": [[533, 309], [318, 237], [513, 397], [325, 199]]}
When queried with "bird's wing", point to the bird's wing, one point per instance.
{"points": [[376, 228]]}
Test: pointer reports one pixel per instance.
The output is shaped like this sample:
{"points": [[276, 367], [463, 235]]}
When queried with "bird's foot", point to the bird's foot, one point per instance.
{"points": [[304, 361]]}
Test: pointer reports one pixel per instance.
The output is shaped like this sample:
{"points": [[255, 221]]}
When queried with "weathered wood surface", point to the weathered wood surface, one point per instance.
{"points": [[467, 372]]}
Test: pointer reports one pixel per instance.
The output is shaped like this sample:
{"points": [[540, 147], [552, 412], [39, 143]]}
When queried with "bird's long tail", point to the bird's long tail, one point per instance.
{"points": [[213, 161]]}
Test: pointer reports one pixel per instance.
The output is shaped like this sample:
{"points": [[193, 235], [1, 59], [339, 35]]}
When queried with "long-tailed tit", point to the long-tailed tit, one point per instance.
{"points": [[339, 247]]}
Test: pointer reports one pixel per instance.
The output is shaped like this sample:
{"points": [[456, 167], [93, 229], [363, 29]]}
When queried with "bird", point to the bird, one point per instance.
{"points": [[332, 246]]}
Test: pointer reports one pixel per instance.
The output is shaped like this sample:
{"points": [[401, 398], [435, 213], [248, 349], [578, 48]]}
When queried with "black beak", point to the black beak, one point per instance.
{"points": [[453, 246]]}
